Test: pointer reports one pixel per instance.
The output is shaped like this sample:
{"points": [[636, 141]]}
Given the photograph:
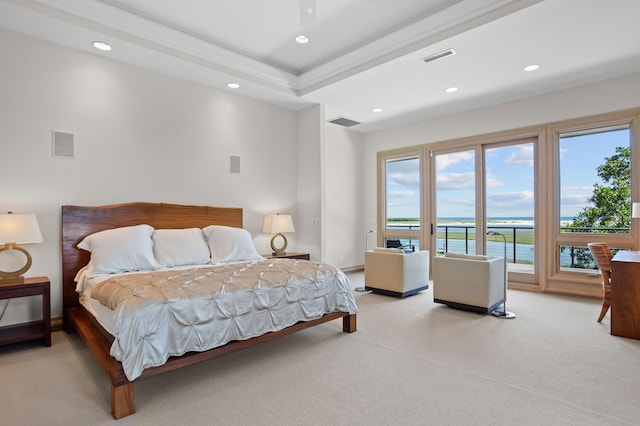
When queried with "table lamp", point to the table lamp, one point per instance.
{"points": [[18, 229], [278, 224]]}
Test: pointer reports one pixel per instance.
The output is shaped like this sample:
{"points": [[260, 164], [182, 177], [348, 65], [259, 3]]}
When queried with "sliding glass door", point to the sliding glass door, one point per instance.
{"points": [[485, 202], [455, 202], [510, 203]]}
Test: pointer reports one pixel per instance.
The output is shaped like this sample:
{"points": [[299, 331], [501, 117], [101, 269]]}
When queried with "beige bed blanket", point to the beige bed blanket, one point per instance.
{"points": [[168, 313]]}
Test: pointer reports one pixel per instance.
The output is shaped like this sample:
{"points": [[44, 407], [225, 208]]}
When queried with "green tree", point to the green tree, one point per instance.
{"points": [[611, 199]]}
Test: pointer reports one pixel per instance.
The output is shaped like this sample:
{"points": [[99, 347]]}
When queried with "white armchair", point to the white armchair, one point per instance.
{"points": [[473, 283], [396, 273]]}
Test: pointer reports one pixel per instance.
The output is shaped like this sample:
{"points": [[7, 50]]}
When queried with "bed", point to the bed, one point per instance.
{"points": [[81, 225]]}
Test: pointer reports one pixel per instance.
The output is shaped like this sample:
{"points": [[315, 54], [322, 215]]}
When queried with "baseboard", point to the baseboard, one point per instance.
{"points": [[56, 323]]}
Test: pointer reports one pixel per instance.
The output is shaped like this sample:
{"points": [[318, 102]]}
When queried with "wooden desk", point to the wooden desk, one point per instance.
{"points": [[625, 294]]}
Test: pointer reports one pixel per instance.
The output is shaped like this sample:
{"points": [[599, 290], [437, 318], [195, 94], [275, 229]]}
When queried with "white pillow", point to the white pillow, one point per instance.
{"points": [[121, 250], [228, 244], [176, 247]]}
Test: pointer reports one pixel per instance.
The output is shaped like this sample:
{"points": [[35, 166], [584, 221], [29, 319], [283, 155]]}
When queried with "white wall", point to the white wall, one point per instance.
{"points": [[308, 220], [329, 191], [139, 136], [604, 96], [345, 234]]}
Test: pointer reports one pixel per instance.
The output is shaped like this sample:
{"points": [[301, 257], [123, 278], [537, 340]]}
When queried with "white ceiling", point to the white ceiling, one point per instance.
{"points": [[363, 54]]}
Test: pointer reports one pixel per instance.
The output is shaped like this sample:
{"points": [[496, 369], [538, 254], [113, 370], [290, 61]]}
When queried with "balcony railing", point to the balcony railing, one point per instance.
{"points": [[519, 239]]}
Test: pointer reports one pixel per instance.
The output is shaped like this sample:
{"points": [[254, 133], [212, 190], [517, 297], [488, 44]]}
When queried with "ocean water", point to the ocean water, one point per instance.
{"points": [[505, 220], [511, 220]]}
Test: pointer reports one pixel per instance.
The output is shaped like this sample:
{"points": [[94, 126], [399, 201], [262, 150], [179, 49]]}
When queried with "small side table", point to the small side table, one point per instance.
{"points": [[37, 286], [289, 255]]}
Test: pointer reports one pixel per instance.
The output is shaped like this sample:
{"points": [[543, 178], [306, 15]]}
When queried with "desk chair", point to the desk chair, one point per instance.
{"points": [[602, 257]]}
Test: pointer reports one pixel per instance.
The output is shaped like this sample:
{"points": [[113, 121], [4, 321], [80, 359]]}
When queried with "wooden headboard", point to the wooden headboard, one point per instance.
{"points": [[80, 221]]}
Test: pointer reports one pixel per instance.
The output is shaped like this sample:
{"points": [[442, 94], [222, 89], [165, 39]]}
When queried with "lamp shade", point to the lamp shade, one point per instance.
{"points": [[635, 210], [19, 229], [277, 224]]}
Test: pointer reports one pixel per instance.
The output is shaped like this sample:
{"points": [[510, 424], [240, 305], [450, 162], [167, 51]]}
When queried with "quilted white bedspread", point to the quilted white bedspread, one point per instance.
{"points": [[168, 313]]}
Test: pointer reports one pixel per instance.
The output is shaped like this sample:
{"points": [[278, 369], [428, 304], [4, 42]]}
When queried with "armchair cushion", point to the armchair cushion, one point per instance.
{"points": [[474, 283], [396, 273]]}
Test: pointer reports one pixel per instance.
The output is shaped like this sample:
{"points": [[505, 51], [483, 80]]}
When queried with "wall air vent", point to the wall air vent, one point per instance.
{"points": [[439, 55], [345, 122]]}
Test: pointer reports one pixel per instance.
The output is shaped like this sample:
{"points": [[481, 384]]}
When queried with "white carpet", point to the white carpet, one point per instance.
{"points": [[410, 362]]}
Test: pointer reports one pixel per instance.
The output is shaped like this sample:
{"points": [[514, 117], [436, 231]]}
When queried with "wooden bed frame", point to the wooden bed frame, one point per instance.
{"points": [[78, 222]]}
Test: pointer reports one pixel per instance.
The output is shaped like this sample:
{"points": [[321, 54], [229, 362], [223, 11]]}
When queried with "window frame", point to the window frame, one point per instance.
{"points": [[383, 232], [582, 281], [548, 276]]}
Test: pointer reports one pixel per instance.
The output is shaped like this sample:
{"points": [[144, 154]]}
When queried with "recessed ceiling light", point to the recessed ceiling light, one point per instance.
{"points": [[233, 85], [532, 67], [101, 45], [302, 39], [452, 90], [377, 110]]}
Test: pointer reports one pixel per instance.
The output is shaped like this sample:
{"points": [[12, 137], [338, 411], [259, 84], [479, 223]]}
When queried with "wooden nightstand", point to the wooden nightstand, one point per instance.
{"points": [[289, 255], [37, 286]]}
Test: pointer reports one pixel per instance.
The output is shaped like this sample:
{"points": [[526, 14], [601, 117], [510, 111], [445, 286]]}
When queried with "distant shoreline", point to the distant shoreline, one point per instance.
{"points": [[441, 221]]}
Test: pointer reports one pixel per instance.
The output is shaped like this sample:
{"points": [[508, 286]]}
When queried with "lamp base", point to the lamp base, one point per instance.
{"points": [[503, 314], [16, 280], [279, 251], [17, 275]]}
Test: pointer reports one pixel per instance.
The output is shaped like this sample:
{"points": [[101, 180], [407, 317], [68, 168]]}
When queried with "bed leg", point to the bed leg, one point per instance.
{"points": [[349, 323], [122, 400]]}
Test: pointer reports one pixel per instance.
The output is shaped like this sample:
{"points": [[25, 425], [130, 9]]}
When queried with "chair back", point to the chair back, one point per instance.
{"points": [[602, 257]]}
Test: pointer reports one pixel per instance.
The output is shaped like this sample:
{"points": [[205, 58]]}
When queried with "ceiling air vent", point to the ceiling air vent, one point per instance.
{"points": [[345, 122], [439, 55]]}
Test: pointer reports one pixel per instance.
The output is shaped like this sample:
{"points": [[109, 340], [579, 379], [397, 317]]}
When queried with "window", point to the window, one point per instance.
{"points": [[594, 185], [403, 197], [548, 191], [403, 193], [595, 181]]}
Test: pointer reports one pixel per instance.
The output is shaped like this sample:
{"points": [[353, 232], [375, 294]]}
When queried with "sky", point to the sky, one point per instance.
{"points": [[509, 180]]}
